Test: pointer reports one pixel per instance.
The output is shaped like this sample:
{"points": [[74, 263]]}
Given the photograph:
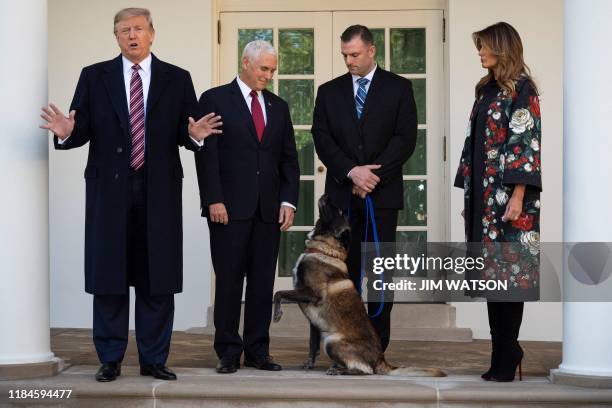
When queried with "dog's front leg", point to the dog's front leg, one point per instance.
{"points": [[315, 346], [299, 296]]}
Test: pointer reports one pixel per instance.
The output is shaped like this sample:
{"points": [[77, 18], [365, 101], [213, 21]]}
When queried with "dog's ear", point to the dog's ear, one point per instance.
{"points": [[324, 208]]}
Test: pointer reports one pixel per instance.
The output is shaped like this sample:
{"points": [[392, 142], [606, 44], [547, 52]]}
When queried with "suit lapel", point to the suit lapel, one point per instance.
{"points": [[238, 100], [349, 95], [271, 118], [115, 86], [159, 80]]}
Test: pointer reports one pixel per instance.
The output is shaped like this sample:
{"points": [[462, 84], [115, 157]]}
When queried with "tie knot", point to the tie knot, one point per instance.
{"points": [[135, 67], [363, 81], [253, 94]]}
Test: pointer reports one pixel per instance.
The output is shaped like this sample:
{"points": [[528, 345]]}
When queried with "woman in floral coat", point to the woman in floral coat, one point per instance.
{"points": [[501, 177]]}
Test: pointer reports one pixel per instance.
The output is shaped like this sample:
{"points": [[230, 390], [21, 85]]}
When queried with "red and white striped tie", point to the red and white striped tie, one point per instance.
{"points": [[137, 117]]}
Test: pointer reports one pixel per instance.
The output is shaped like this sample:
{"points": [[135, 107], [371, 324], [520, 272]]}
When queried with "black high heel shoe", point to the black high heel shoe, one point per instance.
{"points": [[510, 362], [490, 373]]}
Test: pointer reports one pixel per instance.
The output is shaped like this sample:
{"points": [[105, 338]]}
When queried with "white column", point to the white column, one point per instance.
{"points": [[24, 238], [587, 330]]}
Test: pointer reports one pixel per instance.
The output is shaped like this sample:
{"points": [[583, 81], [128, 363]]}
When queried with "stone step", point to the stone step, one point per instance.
{"points": [[421, 322], [296, 389]]}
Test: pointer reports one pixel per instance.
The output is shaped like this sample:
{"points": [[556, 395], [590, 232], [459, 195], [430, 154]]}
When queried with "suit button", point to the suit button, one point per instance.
{"points": [[360, 147], [258, 172], [116, 176], [119, 149]]}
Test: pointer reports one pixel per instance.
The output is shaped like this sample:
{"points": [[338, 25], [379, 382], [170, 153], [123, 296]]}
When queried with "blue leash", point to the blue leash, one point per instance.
{"points": [[370, 216]]}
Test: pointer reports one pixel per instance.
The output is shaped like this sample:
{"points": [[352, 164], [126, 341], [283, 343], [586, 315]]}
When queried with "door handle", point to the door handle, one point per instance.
{"points": [[321, 169]]}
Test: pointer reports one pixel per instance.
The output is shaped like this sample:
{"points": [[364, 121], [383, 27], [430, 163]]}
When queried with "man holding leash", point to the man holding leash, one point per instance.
{"points": [[364, 129]]}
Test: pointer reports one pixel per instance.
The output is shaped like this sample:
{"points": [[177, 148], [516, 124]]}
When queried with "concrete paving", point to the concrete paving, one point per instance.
{"points": [[193, 360]]}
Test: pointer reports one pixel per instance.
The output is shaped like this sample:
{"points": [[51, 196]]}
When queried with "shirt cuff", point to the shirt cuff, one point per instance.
{"points": [[288, 204], [61, 141], [199, 143]]}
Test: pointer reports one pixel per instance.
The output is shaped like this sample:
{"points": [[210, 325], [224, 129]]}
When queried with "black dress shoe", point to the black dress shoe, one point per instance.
{"points": [[263, 363], [108, 372], [159, 371], [228, 365]]}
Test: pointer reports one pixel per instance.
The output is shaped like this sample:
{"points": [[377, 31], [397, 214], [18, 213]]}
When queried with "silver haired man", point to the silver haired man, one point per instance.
{"points": [[249, 181]]}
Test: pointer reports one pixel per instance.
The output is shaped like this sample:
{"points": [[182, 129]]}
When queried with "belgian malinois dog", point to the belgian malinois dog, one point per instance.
{"points": [[328, 298]]}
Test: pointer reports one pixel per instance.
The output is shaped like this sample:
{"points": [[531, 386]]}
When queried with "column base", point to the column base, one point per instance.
{"points": [[557, 376], [34, 370]]}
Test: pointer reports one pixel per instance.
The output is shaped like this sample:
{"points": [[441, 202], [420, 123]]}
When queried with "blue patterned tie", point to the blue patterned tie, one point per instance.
{"points": [[361, 96]]}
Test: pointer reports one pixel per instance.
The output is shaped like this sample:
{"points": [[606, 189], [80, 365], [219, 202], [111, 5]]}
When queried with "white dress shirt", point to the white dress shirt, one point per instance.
{"points": [[246, 94]]}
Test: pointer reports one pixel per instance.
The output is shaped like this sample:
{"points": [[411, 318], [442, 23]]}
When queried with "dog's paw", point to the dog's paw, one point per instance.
{"points": [[333, 370], [308, 364], [277, 315]]}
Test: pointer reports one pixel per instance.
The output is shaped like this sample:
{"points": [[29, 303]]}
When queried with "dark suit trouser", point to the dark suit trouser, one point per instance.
{"points": [[243, 248], [154, 315], [386, 223]]}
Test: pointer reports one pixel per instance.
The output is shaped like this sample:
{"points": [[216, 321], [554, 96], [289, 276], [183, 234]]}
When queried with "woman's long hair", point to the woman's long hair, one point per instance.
{"points": [[505, 43]]}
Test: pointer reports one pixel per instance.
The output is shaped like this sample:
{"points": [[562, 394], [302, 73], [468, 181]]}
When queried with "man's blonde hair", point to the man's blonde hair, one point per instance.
{"points": [[132, 12]]}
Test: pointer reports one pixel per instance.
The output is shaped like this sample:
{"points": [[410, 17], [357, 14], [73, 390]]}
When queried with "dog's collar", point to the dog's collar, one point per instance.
{"points": [[324, 248]]}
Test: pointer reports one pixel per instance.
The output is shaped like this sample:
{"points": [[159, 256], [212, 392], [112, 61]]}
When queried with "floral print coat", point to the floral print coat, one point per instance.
{"points": [[512, 156]]}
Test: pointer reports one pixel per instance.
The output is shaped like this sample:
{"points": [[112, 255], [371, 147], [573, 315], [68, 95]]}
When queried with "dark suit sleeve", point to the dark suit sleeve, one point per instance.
{"points": [[207, 162], [337, 162], [80, 104], [402, 143], [190, 108], [289, 168]]}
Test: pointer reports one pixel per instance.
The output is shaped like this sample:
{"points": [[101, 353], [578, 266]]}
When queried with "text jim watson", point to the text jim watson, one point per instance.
{"points": [[442, 284]]}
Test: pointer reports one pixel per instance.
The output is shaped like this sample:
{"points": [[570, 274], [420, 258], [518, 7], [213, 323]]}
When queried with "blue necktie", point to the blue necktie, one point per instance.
{"points": [[361, 96]]}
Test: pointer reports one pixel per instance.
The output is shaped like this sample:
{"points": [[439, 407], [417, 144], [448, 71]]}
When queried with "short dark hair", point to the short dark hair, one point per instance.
{"points": [[357, 30]]}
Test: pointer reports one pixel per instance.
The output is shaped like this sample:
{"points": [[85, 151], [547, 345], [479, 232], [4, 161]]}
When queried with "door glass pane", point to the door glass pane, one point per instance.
{"points": [[415, 203], [299, 94], [379, 42], [296, 51], [246, 35], [411, 236], [291, 247], [407, 50], [305, 149], [416, 237], [417, 163], [305, 211], [418, 85]]}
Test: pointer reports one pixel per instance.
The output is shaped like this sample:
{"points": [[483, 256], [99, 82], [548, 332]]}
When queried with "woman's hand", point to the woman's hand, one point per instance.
{"points": [[514, 208]]}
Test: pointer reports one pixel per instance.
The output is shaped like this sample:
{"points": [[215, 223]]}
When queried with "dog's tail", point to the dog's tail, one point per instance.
{"points": [[384, 368]]}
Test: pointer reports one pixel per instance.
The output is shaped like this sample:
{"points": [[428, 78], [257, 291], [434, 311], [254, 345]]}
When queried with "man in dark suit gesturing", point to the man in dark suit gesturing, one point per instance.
{"points": [[364, 129], [135, 111], [249, 181]]}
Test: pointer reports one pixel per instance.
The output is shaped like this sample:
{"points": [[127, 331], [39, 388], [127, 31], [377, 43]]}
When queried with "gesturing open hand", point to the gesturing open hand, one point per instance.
{"points": [[205, 127], [58, 123]]}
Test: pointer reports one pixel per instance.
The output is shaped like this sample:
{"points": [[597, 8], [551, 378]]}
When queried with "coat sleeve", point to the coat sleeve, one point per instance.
{"points": [[189, 109], [522, 151], [328, 150], [207, 161], [402, 143], [289, 168], [80, 104]]}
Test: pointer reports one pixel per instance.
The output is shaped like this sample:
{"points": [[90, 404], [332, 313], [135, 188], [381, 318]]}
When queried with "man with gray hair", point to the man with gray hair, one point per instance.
{"points": [[249, 181], [135, 111]]}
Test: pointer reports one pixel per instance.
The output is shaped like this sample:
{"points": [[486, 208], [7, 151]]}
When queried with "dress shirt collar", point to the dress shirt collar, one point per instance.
{"points": [[369, 76], [245, 89], [145, 65]]}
